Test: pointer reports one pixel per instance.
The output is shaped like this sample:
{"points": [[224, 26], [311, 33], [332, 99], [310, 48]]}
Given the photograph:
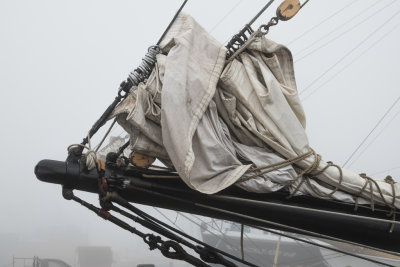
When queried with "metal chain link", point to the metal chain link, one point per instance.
{"points": [[264, 28]]}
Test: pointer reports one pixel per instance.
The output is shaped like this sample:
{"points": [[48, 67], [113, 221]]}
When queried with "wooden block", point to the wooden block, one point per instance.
{"points": [[288, 9], [141, 160]]}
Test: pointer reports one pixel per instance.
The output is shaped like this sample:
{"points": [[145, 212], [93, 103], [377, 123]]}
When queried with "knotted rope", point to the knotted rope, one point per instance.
{"points": [[309, 172], [90, 157]]}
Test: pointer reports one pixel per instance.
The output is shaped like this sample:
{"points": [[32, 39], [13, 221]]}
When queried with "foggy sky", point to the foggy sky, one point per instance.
{"points": [[61, 63]]}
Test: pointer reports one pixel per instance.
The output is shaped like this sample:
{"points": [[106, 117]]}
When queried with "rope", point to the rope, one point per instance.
{"points": [[373, 129], [304, 175], [90, 157], [340, 27], [172, 21], [302, 231], [321, 22], [276, 166], [309, 172], [370, 35], [241, 240], [318, 245], [342, 69], [226, 15]]}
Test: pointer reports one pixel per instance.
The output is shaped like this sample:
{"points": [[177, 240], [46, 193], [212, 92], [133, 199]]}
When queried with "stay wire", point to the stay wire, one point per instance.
{"points": [[342, 34], [150, 239], [375, 138], [321, 23], [220, 231], [260, 12], [226, 15], [119, 200], [391, 169], [208, 230], [223, 238], [223, 234], [323, 246], [254, 18], [172, 21], [373, 129], [349, 52], [350, 63], [292, 228]]}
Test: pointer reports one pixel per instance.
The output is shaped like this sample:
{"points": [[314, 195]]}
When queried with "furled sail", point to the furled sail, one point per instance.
{"points": [[240, 122]]}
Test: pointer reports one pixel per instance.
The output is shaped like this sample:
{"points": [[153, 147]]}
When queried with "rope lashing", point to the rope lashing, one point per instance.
{"points": [[303, 174], [90, 157], [276, 166], [307, 174]]}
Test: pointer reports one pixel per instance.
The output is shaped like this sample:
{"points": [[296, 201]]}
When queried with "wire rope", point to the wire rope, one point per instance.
{"points": [[391, 169], [340, 35], [374, 139], [166, 217], [349, 52], [226, 15], [373, 129], [220, 231], [222, 238], [350, 63], [321, 23]]}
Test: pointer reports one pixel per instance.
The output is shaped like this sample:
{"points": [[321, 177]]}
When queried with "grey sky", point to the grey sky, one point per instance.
{"points": [[62, 61]]}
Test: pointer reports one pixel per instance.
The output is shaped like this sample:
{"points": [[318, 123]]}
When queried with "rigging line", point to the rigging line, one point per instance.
{"points": [[373, 129], [255, 17], [292, 228], [226, 15], [322, 22], [194, 239], [224, 235], [340, 35], [325, 246], [349, 52], [339, 27], [260, 12], [391, 169], [350, 63], [219, 237], [166, 217], [374, 139], [169, 231], [172, 22]]}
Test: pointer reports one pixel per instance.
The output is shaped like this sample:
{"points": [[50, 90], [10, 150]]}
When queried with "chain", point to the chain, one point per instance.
{"points": [[264, 28], [246, 36], [241, 38], [238, 40]]}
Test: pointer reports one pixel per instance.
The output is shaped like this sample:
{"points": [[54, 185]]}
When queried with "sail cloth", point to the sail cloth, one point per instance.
{"points": [[214, 122]]}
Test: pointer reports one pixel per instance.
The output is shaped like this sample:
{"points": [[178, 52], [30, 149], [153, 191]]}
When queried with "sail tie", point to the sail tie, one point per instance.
{"points": [[90, 157]]}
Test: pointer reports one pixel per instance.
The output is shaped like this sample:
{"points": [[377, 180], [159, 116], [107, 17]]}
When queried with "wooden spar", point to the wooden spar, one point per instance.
{"points": [[315, 217]]}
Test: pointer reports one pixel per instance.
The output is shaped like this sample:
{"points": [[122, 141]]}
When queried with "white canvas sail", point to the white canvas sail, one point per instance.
{"points": [[214, 122]]}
